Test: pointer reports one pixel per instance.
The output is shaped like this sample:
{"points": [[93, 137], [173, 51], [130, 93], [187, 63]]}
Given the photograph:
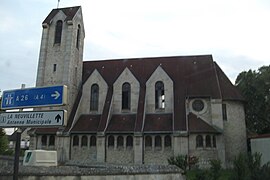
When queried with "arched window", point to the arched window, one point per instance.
{"points": [[199, 141], [159, 95], [214, 142], [111, 141], [51, 140], [120, 141], [208, 141], [94, 97], [126, 96], [148, 141], [75, 141], [93, 141], [44, 140], [84, 141], [168, 141], [78, 37], [158, 142], [129, 141], [58, 32]]}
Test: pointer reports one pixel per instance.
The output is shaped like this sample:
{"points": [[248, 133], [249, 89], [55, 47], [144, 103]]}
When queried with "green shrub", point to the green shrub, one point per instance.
{"points": [[180, 161], [215, 169]]}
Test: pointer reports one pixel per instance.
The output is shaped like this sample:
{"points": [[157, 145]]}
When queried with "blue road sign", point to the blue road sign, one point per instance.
{"points": [[34, 97]]}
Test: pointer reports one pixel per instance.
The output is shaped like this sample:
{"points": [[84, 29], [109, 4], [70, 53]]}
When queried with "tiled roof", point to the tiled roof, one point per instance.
{"points": [[158, 122], [69, 12], [122, 123], [197, 125], [46, 130], [191, 75], [86, 123]]}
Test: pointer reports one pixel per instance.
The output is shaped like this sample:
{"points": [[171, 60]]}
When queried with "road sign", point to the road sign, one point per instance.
{"points": [[33, 119], [34, 97]]}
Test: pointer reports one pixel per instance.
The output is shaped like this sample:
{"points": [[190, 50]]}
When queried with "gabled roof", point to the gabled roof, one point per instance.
{"points": [[69, 12], [192, 76], [197, 125]]}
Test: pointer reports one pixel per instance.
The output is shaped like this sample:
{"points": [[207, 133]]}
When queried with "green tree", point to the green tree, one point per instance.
{"points": [[3, 138], [255, 87]]}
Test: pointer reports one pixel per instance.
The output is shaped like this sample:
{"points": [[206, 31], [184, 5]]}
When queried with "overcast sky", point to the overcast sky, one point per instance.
{"points": [[235, 32]]}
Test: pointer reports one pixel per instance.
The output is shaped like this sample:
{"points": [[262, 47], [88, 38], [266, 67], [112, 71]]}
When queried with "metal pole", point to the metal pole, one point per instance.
{"points": [[17, 149], [17, 154]]}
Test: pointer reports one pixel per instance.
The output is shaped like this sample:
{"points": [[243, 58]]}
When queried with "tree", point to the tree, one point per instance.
{"points": [[255, 87], [3, 139]]}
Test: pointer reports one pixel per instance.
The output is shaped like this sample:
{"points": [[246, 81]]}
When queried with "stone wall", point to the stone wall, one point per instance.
{"points": [[154, 156], [234, 131], [157, 172], [120, 155]]}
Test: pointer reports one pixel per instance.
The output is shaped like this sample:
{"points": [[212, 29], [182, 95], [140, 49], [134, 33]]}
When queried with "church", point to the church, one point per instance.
{"points": [[137, 110]]}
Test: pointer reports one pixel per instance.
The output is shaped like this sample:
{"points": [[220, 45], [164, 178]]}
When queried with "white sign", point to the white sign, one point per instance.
{"points": [[33, 119]]}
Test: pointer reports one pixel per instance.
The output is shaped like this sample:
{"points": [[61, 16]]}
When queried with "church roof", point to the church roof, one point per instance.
{"points": [[69, 12], [192, 76], [197, 125]]}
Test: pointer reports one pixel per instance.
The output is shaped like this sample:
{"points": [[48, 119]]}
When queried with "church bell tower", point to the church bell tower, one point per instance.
{"points": [[61, 51]]}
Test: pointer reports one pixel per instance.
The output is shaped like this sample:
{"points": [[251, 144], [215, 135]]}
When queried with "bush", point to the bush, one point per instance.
{"points": [[215, 169], [180, 161], [248, 167]]}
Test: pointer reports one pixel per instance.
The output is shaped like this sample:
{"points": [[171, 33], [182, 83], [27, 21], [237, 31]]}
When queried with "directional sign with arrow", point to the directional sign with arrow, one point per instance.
{"points": [[33, 119], [34, 97]]}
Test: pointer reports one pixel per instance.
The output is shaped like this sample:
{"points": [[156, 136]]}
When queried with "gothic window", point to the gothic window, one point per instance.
{"points": [[208, 141], [94, 97], [168, 141], [158, 142], [148, 141], [44, 140], [111, 141], [120, 141], [129, 141], [58, 32], [78, 37], [93, 141], [159, 95], [75, 141], [199, 141], [126, 96], [84, 141], [214, 142], [224, 112], [51, 140]]}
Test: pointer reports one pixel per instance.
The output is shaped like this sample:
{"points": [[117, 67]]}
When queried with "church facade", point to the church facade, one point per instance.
{"points": [[136, 111]]}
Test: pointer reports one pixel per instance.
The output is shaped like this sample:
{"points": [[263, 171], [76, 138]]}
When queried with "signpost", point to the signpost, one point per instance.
{"points": [[31, 98], [55, 118], [34, 97]]}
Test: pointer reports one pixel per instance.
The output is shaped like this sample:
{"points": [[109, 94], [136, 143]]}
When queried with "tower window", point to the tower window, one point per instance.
{"points": [[94, 97], [78, 37], [54, 67], [224, 112], [159, 95], [126, 96], [58, 32]]}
